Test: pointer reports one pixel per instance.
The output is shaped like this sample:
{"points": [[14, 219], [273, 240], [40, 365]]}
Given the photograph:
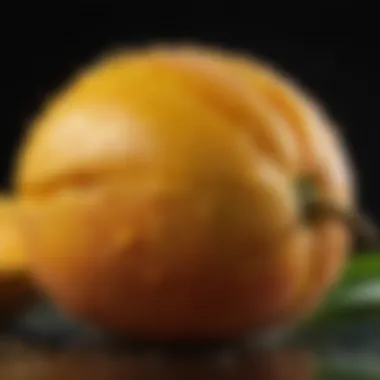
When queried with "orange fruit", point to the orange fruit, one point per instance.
{"points": [[169, 180]]}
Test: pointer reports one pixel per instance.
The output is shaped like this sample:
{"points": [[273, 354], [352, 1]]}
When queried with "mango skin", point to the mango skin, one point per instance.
{"points": [[166, 182]]}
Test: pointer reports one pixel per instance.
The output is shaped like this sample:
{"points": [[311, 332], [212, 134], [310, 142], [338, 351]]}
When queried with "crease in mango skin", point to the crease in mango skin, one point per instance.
{"points": [[166, 181]]}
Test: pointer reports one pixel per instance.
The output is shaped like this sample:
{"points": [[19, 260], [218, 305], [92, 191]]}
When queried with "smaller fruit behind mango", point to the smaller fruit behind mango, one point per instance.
{"points": [[16, 289]]}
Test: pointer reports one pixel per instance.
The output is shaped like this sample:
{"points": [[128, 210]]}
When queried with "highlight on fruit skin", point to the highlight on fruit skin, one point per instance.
{"points": [[16, 289], [173, 183]]}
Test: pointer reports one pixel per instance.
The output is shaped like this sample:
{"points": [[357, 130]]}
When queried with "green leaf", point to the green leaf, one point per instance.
{"points": [[356, 295], [359, 285], [362, 267]]}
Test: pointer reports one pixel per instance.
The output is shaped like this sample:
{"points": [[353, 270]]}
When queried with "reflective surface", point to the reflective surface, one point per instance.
{"points": [[22, 362], [43, 345]]}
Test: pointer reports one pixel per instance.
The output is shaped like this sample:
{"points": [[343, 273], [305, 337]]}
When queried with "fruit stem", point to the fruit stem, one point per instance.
{"points": [[363, 229]]}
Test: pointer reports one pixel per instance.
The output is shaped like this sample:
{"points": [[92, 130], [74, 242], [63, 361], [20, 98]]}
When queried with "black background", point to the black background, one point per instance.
{"points": [[332, 50]]}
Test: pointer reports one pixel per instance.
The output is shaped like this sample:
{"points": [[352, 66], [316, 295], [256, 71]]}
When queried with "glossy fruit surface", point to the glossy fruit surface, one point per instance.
{"points": [[171, 189]]}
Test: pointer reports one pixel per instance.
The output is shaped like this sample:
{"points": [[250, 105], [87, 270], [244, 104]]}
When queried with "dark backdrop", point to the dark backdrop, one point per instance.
{"points": [[333, 51]]}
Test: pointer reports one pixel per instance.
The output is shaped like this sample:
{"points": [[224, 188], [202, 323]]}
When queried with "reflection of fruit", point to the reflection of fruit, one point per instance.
{"points": [[16, 290], [281, 365], [171, 183], [82, 365]]}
